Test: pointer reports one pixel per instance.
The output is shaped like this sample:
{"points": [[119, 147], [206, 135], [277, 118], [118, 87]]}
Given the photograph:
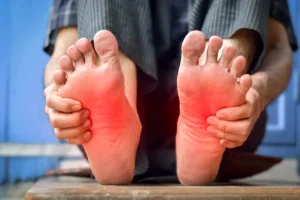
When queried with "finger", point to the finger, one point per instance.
{"points": [[235, 113], [81, 139], [229, 144], [226, 136], [240, 127], [60, 104], [71, 133], [68, 120]]}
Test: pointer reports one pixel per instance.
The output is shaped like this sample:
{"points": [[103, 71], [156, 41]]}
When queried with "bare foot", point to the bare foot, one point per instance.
{"points": [[202, 91], [115, 125]]}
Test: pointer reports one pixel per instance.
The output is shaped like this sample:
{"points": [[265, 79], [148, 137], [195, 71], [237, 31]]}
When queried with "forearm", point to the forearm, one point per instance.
{"points": [[66, 37], [247, 42], [275, 71], [274, 75]]}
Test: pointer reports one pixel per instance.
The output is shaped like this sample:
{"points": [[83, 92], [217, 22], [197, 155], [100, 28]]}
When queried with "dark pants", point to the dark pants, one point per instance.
{"points": [[159, 111]]}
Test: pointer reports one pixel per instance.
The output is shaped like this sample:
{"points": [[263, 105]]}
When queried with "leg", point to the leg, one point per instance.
{"points": [[109, 94], [202, 91]]}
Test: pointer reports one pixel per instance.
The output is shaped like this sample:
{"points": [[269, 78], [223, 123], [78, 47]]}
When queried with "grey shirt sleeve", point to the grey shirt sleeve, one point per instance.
{"points": [[225, 17], [62, 13]]}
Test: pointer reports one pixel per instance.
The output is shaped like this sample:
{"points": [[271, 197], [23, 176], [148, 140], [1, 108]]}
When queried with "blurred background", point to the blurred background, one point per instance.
{"points": [[28, 147], [24, 126]]}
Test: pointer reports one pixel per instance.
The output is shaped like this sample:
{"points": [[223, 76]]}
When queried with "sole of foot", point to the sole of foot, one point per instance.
{"points": [[115, 125], [203, 90]]}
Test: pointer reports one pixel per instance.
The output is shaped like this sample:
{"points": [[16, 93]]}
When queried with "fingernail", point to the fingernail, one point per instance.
{"points": [[86, 124], [220, 114], [210, 120], [86, 114], [87, 135], [76, 107]]}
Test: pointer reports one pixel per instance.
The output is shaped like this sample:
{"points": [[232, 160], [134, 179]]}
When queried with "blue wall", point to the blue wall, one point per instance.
{"points": [[21, 88], [4, 52]]}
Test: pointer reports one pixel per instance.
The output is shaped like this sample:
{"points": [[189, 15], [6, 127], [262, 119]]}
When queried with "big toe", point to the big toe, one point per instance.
{"points": [[192, 48], [106, 46]]}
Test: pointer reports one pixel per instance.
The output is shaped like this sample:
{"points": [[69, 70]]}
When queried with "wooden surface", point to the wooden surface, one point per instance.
{"points": [[70, 188]]}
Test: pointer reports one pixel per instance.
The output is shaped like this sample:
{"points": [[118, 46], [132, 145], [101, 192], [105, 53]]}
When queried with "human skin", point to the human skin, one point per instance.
{"points": [[233, 125], [115, 124], [75, 131], [66, 115], [66, 37], [203, 90]]}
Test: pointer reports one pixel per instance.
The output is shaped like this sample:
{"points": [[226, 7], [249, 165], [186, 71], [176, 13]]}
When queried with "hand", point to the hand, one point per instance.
{"points": [[69, 120], [234, 124]]}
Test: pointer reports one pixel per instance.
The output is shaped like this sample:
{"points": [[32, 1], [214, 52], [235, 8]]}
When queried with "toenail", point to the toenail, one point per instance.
{"points": [[210, 120], [80, 40]]}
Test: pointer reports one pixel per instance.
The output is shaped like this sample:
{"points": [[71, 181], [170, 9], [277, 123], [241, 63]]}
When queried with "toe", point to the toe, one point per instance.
{"points": [[106, 46], [66, 64], [59, 78], [238, 65], [86, 48], [75, 55], [193, 46], [214, 45], [246, 82], [227, 56]]}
